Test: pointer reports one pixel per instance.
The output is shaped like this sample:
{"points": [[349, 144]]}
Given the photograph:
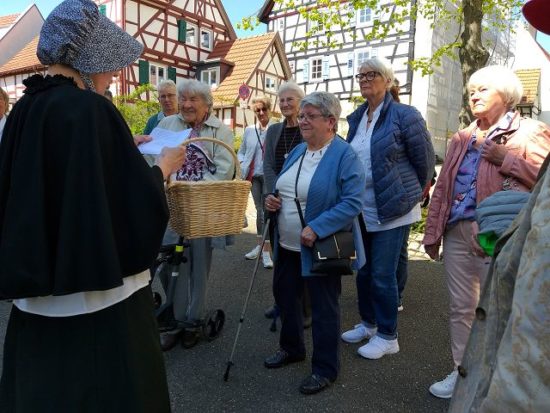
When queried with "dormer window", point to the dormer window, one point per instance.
{"points": [[211, 76]]}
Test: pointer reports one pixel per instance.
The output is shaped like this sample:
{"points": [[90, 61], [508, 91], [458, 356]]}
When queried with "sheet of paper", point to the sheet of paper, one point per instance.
{"points": [[162, 138]]}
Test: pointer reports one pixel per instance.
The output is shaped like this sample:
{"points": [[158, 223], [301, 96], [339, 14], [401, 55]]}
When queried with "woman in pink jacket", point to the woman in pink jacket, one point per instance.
{"points": [[500, 150]]}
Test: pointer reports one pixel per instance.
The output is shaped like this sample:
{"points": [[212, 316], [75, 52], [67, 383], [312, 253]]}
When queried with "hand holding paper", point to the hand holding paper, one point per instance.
{"points": [[163, 138]]}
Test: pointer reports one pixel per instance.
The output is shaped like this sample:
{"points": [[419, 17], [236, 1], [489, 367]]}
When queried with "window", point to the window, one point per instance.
{"points": [[191, 35], [292, 66], [350, 64], [281, 24], [206, 39], [157, 73], [210, 76], [270, 84], [364, 16], [316, 69]]}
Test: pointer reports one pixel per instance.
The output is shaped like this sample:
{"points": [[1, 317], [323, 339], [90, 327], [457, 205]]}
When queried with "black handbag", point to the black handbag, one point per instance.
{"points": [[332, 255]]}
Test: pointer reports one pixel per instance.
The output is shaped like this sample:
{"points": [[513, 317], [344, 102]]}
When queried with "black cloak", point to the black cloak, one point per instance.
{"points": [[80, 209]]}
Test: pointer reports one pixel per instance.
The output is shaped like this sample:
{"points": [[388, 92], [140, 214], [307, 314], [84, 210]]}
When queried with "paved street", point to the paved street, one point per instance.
{"points": [[397, 383]]}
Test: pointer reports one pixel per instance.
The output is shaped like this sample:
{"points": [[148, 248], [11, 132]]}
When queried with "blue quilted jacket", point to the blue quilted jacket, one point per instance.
{"points": [[402, 157]]}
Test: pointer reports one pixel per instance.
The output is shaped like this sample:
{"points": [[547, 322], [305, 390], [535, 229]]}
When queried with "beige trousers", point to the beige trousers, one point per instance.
{"points": [[466, 274]]}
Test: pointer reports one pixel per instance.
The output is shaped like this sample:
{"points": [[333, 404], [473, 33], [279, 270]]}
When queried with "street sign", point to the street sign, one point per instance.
{"points": [[244, 91]]}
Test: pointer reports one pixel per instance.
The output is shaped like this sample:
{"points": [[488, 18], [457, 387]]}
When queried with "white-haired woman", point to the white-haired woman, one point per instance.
{"points": [[280, 139], [395, 147], [499, 151], [251, 154], [168, 100], [326, 176], [205, 161]]}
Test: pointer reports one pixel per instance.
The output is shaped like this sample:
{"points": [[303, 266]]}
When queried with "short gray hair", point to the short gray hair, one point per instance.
{"points": [[327, 103], [292, 87], [165, 84], [265, 100], [380, 65], [196, 88], [502, 79]]}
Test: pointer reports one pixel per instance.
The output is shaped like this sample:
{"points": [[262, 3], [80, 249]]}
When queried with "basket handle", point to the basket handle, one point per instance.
{"points": [[217, 142]]}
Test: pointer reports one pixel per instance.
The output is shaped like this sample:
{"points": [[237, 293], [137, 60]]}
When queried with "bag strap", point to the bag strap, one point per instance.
{"points": [[296, 200]]}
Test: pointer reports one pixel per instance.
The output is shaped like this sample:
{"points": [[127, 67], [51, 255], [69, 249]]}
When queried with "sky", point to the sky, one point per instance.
{"points": [[236, 9]]}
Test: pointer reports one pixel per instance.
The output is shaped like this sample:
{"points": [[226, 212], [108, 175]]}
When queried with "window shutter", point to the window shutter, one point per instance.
{"points": [[325, 68], [143, 72], [350, 64], [353, 15], [103, 9], [172, 73], [305, 72], [182, 30]]}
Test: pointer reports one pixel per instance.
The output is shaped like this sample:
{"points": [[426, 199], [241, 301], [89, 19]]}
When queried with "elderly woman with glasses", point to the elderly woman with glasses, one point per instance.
{"points": [[168, 99], [81, 335], [205, 161], [499, 151], [394, 146], [326, 176], [251, 154]]}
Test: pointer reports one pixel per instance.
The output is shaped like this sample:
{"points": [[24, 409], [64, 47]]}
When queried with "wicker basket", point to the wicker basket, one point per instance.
{"points": [[208, 208]]}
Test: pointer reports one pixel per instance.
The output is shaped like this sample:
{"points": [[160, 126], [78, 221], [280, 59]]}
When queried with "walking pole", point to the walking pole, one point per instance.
{"points": [[241, 319]]}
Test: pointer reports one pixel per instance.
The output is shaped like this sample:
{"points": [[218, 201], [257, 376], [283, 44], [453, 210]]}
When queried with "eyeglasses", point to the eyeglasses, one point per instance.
{"points": [[167, 96], [369, 76], [309, 117], [260, 110]]}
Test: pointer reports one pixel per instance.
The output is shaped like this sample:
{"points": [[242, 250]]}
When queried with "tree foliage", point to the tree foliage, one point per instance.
{"points": [[331, 18], [136, 109]]}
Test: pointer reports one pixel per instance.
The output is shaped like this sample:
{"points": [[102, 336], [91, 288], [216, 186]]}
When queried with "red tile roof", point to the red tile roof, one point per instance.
{"points": [[24, 61], [8, 20], [246, 54]]}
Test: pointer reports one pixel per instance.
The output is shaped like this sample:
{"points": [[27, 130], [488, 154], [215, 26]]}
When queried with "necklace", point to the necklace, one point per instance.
{"points": [[289, 148]]}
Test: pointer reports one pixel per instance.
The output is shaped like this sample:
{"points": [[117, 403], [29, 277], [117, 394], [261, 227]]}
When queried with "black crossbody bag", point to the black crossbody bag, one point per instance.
{"points": [[332, 255]]}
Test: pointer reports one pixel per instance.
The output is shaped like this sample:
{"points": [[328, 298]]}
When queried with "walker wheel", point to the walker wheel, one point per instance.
{"points": [[214, 325]]}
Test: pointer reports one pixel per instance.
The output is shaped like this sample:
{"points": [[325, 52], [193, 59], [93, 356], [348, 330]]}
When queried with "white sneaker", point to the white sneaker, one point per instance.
{"points": [[400, 308], [252, 255], [358, 333], [378, 347], [444, 388], [266, 258]]}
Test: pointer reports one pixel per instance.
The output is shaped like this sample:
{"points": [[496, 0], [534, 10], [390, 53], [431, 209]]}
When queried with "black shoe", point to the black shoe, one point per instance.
{"points": [[190, 338], [314, 384], [272, 311], [168, 341], [282, 358]]}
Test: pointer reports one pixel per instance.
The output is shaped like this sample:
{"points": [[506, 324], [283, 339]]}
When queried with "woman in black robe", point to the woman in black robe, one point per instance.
{"points": [[81, 219]]}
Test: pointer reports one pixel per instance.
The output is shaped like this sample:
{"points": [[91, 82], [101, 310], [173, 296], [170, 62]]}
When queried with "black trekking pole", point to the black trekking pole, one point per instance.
{"points": [[243, 312]]}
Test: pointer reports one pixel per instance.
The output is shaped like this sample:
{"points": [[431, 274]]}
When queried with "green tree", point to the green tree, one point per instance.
{"points": [[136, 108], [330, 18]]}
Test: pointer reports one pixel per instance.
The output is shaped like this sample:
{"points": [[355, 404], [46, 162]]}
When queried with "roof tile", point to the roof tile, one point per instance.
{"points": [[530, 80], [25, 59]]}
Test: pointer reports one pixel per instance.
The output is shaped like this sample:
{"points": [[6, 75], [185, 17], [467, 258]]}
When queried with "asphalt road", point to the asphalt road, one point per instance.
{"points": [[395, 383]]}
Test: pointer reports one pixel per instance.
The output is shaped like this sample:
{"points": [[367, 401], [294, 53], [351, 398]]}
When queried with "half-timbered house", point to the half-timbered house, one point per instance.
{"points": [[259, 62], [437, 96]]}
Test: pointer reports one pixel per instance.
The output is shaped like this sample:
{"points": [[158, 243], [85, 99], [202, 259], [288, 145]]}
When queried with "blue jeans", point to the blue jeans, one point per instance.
{"points": [[402, 266], [377, 281]]}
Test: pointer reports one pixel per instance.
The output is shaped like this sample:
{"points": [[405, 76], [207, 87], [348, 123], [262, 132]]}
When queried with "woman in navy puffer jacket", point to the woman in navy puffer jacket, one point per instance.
{"points": [[394, 145]]}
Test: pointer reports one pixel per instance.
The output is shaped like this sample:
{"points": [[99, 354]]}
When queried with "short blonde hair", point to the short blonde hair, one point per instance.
{"points": [[266, 101], [502, 79]]}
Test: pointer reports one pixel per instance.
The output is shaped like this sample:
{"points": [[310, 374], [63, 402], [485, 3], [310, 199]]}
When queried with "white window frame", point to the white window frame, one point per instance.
{"points": [[195, 38], [154, 77], [206, 76], [292, 66], [210, 39], [281, 24], [371, 53], [316, 69], [359, 13], [270, 84]]}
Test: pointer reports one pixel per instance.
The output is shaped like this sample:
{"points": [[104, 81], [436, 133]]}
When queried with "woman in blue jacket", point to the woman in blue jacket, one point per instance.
{"points": [[326, 176], [394, 146]]}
